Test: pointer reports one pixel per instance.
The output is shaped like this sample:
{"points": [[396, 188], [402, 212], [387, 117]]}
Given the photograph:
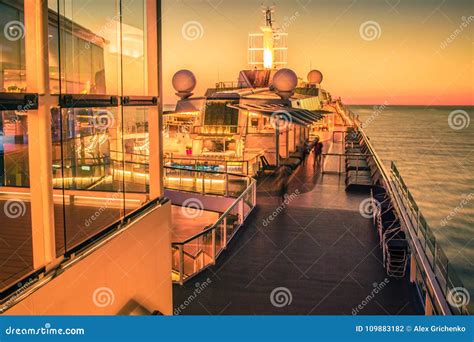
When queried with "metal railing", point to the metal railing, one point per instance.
{"points": [[446, 277], [200, 251], [433, 277], [216, 129], [341, 157], [227, 164]]}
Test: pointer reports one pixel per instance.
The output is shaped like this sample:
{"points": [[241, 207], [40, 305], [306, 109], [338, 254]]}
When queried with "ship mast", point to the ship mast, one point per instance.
{"points": [[267, 49]]}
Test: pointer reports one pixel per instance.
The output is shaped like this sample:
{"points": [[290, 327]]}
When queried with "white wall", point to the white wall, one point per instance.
{"points": [[134, 268]]}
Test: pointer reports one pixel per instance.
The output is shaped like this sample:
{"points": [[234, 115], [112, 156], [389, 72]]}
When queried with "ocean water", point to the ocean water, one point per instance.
{"points": [[433, 148]]}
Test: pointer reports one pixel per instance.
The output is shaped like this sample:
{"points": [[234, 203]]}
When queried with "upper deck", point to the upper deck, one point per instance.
{"points": [[316, 249]]}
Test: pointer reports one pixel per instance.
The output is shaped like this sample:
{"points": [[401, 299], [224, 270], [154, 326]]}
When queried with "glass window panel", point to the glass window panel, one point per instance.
{"points": [[90, 46], [136, 53], [12, 47], [16, 257], [87, 163], [136, 149]]}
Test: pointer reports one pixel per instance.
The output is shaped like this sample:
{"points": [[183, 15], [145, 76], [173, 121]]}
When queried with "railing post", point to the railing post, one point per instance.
{"points": [[254, 194], [224, 231], [203, 190], [181, 264], [428, 305], [213, 251], [226, 183], [412, 268], [241, 211]]}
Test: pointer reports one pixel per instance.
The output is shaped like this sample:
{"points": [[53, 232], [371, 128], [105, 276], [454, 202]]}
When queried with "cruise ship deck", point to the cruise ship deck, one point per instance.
{"points": [[319, 247]]}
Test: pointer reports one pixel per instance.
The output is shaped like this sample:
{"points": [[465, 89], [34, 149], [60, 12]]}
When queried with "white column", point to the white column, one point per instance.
{"points": [[39, 132], [155, 122]]}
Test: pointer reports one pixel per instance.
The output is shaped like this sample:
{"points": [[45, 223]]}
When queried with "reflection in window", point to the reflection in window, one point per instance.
{"points": [[134, 44], [136, 149], [90, 47], [12, 47], [15, 211]]}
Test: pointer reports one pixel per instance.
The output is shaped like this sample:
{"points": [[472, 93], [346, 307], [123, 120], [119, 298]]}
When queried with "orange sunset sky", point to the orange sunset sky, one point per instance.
{"points": [[422, 52]]}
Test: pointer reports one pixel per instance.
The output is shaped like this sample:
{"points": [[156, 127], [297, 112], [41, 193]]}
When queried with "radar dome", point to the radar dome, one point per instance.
{"points": [[315, 77], [285, 80], [184, 81]]}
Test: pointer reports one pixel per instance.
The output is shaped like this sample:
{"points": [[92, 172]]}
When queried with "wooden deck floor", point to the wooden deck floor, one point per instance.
{"points": [[319, 248]]}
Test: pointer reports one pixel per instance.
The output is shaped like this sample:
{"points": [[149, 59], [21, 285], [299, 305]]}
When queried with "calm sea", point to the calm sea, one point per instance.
{"points": [[433, 148]]}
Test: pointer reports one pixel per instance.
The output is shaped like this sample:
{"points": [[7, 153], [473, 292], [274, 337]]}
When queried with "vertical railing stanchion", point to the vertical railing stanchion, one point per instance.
{"points": [[181, 264], [224, 232], [241, 211], [213, 242], [203, 190], [226, 180]]}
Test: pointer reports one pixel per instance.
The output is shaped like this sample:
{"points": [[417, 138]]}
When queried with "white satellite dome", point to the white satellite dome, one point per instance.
{"points": [[315, 77], [184, 82], [285, 80]]}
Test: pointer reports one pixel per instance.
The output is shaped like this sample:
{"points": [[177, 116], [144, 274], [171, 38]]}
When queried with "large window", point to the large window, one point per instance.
{"points": [[103, 69], [219, 114], [15, 208]]}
